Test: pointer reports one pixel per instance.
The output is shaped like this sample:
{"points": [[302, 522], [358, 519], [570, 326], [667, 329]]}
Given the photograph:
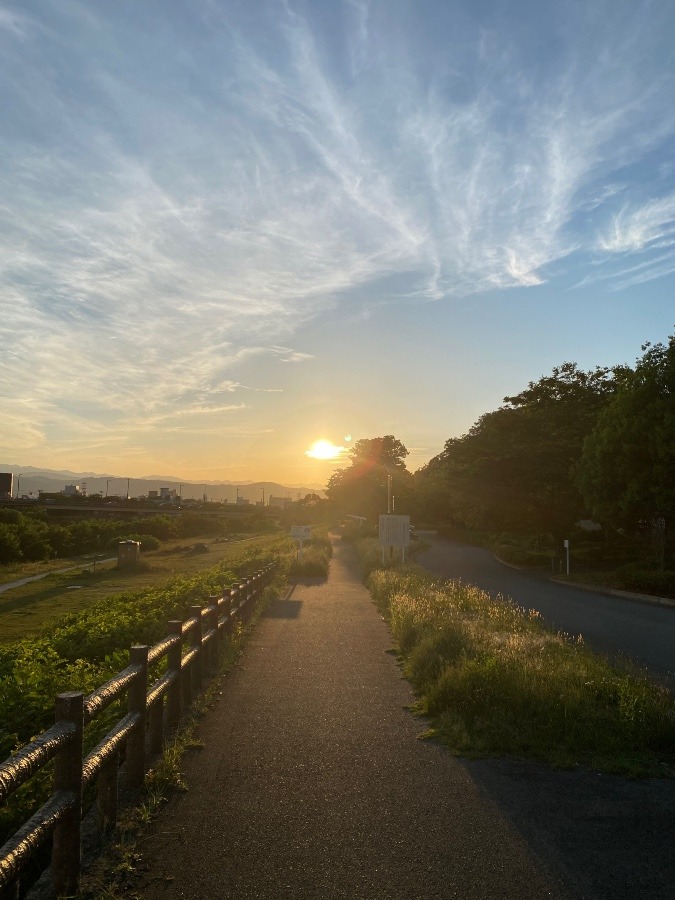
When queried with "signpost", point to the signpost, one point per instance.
{"points": [[394, 532], [301, 533]]}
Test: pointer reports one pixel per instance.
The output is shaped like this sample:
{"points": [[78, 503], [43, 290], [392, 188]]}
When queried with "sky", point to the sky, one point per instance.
{"points": [[231, 228]]}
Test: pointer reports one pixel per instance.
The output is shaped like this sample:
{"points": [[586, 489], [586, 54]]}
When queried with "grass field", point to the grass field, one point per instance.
{"points": [[25, 610]]}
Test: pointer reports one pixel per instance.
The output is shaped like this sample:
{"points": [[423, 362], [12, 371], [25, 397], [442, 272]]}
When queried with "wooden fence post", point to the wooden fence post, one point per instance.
{"points": [[228, 594], [214, 648], [106, 792], [196, 643], [138, 691], [175, 655], [68, 778], [156, 725], [12, 891], [246, 593]]}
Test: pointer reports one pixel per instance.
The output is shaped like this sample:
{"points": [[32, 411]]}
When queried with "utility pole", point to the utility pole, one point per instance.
{"points": [[107, 482], [128, 480]]}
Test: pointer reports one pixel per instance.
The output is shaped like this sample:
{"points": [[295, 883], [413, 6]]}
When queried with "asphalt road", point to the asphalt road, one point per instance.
{"points": [[609, 624]]}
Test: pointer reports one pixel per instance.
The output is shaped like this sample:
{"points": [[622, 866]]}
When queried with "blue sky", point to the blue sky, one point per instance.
{"points": [[228, 229]]}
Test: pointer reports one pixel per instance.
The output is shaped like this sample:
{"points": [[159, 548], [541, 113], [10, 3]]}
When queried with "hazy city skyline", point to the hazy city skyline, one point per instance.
{"points": [[230, 230]]}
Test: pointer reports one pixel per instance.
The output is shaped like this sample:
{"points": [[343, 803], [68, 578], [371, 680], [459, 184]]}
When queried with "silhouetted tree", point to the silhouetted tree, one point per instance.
{"points": [[514, 469], [362, 488]]}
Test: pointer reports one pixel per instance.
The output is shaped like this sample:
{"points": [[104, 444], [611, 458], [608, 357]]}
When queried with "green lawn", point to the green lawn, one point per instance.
{"points": [[25, 610]]}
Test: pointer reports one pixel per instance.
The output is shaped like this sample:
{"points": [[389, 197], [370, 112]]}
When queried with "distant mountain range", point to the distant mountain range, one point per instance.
{"points": [[35, 479]]}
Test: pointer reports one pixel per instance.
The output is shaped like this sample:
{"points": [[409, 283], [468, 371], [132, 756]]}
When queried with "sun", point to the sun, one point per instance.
{"points": [[324, 449]]}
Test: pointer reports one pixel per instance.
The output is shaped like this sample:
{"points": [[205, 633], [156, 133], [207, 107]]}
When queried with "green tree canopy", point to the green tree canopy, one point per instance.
{"points": [[627, 471], [362, 488], [514, 468]]}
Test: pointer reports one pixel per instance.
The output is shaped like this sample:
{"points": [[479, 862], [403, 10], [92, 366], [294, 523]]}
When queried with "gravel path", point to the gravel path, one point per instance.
{"points": [[312, 782]]}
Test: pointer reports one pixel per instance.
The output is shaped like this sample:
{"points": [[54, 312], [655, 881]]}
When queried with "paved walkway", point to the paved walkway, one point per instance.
{"points": [[312, 782], [8, 585]]}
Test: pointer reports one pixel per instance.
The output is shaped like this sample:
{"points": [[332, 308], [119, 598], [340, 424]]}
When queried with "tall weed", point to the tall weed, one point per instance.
{"points": [[495, 679]]}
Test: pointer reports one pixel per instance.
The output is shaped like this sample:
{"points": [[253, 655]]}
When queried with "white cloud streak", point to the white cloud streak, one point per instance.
{"points": [[162, 230]]}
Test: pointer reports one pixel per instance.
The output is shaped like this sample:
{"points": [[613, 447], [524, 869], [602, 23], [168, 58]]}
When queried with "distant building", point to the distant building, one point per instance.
{"points": [[152, 495], [6, 485], [242, 501], [73, 490], [280, 502], [166, 493]]}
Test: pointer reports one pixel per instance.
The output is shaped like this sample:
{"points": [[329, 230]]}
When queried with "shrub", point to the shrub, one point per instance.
{"points": [[633, 578]]}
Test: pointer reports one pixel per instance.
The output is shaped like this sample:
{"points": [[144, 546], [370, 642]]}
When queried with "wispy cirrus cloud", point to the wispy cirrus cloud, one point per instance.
{"points": [[178, 202], [632, 229]]}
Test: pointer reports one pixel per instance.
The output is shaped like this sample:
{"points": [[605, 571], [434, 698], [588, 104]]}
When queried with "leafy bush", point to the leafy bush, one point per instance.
{"points": [[633, 578], [523, 556]]}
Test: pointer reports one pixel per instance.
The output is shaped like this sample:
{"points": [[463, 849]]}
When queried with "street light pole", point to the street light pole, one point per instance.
{"points": [[107, 482], [18, 485], [128, 480]]}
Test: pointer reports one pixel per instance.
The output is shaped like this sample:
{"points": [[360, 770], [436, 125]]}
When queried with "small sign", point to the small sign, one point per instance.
{"points": [[301, 532], [394, 531]]}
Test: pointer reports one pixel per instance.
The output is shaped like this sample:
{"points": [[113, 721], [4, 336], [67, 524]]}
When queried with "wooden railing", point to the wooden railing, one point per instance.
{"points": [[191, 650]]}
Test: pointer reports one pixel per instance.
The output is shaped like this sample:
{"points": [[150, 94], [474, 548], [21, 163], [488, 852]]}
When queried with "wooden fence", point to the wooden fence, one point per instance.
{"points": [[191, 650]]}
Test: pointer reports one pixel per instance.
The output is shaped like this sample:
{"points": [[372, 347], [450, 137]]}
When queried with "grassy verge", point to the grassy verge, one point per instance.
{"points": [[495, 680], [315, 558], [27, 609]]}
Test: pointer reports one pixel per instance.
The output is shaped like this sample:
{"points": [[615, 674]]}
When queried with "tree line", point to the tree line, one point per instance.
{"points": [[31, 536], [576, 445]]}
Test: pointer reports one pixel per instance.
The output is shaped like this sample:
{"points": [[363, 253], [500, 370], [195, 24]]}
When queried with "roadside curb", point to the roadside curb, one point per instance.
{"points": [[613, 592], [598, 589]]}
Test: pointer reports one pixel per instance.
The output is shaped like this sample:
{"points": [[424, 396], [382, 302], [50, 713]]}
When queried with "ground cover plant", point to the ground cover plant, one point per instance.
{"points": [[83, 650], [29, 608], [496, 680]]}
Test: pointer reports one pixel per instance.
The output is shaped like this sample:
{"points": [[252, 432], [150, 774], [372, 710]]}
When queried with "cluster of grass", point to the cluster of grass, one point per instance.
{"points": [[496, 680], [314, 559], [369, 552], [83, 650]]}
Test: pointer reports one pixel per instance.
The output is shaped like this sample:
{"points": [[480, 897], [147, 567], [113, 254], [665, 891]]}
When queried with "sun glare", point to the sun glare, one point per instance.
{"points": [[324, 450]]}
